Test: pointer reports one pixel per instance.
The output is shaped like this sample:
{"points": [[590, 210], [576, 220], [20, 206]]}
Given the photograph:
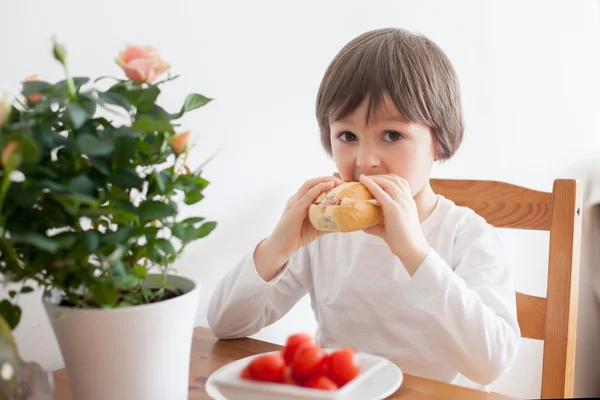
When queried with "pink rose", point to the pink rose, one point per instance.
{"points": [[141, 63], [35, 97], [180, 142], [5, 107]]}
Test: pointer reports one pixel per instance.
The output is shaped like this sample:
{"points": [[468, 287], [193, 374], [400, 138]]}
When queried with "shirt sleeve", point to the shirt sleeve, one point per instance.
{"points": [[243, 303], [472, 304]]}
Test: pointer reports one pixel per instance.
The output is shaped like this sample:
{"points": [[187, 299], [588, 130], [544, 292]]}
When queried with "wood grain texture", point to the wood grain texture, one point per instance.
{"points": [[563, 290], [502, 204], [553, 319], [531, 313], [209, 354]]}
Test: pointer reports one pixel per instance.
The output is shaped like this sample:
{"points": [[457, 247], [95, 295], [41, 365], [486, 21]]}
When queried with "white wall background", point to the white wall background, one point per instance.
{"points": [[529, 73]]}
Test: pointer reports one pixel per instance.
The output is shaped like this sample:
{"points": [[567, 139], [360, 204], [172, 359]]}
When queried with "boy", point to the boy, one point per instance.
{"points": [[428, 288]]}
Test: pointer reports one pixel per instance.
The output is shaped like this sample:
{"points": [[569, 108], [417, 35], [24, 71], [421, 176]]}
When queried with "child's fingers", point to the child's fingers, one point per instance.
{"points": [[401, 183], [386, 185], [312, 183], [313, 193], [376, 190]]}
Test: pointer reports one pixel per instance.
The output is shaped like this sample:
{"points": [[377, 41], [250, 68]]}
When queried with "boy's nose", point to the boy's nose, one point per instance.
{"points": [[367, 160]]}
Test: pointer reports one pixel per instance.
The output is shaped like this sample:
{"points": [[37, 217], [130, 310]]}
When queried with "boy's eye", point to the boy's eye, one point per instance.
{"points": [[392, 136], [347, 137]]}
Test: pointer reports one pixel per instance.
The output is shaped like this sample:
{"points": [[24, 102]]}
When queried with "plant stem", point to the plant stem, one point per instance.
{"points": [[70, 84], [3, 190]]}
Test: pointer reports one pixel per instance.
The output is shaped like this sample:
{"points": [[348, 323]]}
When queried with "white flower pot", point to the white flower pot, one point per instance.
{"points": [[131, 353]]}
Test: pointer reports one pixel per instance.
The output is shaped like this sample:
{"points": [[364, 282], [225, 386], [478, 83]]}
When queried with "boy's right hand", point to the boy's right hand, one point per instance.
{"points": [[294, 230]]}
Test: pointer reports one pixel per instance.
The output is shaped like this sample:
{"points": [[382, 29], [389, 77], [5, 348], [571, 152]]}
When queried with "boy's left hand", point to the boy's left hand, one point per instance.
{"points": [[402, 228]]}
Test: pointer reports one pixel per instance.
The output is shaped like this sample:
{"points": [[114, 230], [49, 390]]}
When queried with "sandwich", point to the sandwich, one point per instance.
{"points": [[345, 208]]}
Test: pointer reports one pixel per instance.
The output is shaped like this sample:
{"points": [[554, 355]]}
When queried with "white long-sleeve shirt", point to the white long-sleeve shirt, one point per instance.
{"points": [[454, 320]]}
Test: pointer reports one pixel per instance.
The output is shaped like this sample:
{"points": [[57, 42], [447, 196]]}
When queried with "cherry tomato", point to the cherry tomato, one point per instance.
{"points": [[292, 343], [308, 362], [245, 374], [343, 366], [267, 368], [288, 378], [324, 367], [321, 382]]}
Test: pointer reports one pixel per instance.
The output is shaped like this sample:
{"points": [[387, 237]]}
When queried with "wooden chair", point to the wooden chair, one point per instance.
{"points": [[552, 319]]}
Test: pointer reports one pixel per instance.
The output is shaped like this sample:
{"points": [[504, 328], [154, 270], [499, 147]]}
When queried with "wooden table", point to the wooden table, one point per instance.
{"points": [[209, 354]]}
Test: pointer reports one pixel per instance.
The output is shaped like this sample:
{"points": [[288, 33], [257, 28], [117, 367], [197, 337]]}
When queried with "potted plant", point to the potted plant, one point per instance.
{"points": [[91, 185]]}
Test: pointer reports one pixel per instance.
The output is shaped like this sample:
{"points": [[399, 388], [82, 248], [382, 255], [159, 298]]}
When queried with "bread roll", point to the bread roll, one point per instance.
{"points": [[345, 208]]}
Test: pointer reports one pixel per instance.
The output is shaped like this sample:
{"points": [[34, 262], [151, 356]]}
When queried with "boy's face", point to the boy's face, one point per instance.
{"points": [[388, 144]]}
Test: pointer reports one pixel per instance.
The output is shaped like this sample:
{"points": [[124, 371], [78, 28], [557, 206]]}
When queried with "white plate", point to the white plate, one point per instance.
{"points": [[378, 379]]}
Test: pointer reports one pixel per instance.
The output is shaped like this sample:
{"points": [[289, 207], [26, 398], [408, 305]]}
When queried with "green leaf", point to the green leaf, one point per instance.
{"points": [[192, 102], [178, 230], [61, 87], [147, 124], [159, 112], [35, 239], [126, 282], [93, 146], [159, 181], [193, 198], [120, 236], [143, 99], [48, 184], [186, 233], [151, 210], [83, 184], [119, 216], [140, 271], [91, 241], [118, 269], [65, 240], [89, 105], [77, 198], [144, 147], [30, 150], [105, 294], [149, 232], [26, 289], [34, 87], [192, 220], [205, 229], [12, 294], [116, 99], [165, 246], [101, 164], [126, 205], [126, 179], [77, 114], [11, 313], [125, 151]]}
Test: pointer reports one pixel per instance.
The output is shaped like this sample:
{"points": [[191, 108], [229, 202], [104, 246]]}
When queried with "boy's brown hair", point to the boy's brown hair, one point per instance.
{"points": [[414, 71]]}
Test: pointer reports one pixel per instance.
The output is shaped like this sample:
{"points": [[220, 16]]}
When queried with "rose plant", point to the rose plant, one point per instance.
{"points": [[89, 204]]}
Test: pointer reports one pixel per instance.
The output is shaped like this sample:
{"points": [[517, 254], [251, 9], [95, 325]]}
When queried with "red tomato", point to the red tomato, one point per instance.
{"points": [[292, 343], [321, 382], [288, 378], [307, 363], [267, 367], [324, 367], [343, 366], [245, 374]]}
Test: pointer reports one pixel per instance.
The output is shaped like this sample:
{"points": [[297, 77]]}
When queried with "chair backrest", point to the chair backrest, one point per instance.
{"points": [[552, 319]]}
